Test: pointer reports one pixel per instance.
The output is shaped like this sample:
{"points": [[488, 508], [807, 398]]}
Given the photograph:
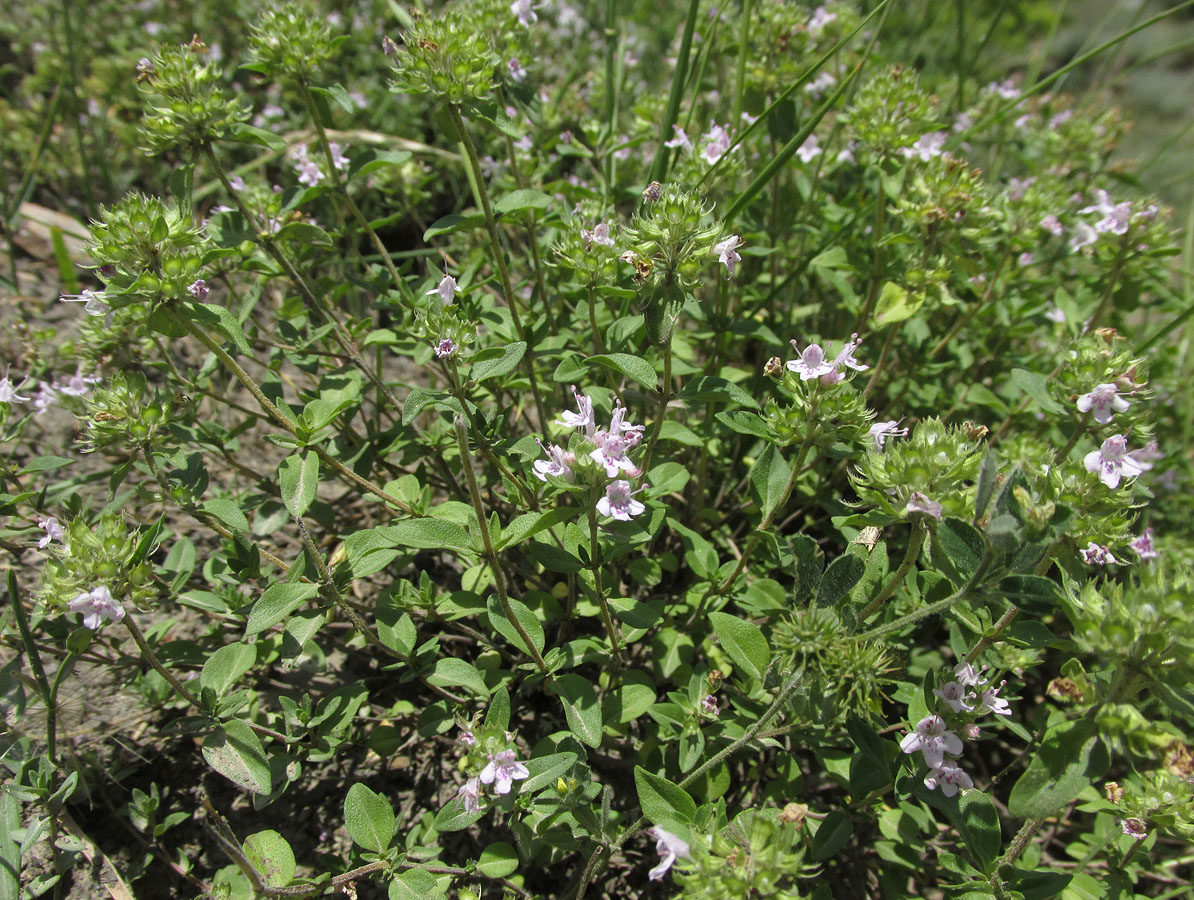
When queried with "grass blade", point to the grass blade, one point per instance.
{"points": [[659, 167]]}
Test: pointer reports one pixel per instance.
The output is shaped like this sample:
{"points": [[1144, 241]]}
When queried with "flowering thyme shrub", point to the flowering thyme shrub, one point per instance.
{"points": [[610, 460]]}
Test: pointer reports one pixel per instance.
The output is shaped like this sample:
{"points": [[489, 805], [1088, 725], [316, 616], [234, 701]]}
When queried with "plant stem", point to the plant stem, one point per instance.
{"points": [[872, 293], [748, 9], [39, 673], [665, 398], [150, 657], [915, 542], [491, 557], [595, 562], [1112, 283]]}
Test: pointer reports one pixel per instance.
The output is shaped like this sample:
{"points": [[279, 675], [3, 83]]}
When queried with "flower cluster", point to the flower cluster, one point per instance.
{"points": [[936, 740], [815, 363], [501, 769]]}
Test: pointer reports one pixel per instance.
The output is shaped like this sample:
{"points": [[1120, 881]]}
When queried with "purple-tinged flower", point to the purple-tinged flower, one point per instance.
{"points": [[669, 847], [1005, 89], [1147, 454], [1025, 259], [525, 12], [991, 702], [96, 605], [821, 18], [954, 694], [47, 396], [558, 464], [583, 417], [1135, 828], [445, 348], [502, 771], [77, 385], [932, 739], [727, 253], [599, 235], [53, 531], [93, 303], [709, 706], [198, 289], [809, 150], [926, 147], [679, 139], [1053, 225], [881, 432], [717, 144], [968, 675], [1143, 545], [1116, 216], [1055, 314], [618, 502], [971, 731], [950, 779], [236, 182], [1097, 555], [470, 794], [919, 503], [1105, 401], [824, 81], [845, 357], [525, 144], [467, 738], [1084, 236], [618, 427], [446, 290], [812, 362], [517, 72], [1112, 461], [339, 160], [8, 391]]}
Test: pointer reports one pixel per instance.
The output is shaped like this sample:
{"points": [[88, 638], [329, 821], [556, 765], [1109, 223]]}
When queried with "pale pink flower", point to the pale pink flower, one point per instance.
{"points": [[1105, 401], [470, 794], [1112, 461], [525, 12], [339, 160], [1097, 555], [558, 464], [445, 348], [709, 705], [446, 290], [53, 531], [950, 779], [1053, 225], [812, 362], [933, 740], [1134, 828], [198, 289], [1084, 236], [717, 144], [809, 150], [76, 385], [8, 391], [1116, 216], [679, 139], [503, 770], [727, 252], [618, 502], [991, 702], [1143, 545], [955, 695], [583, 418], [881, 432], [96, 605], [669, 847], [968, 675], [599, 235], [517, 72], [919, 503], [927, 146]]}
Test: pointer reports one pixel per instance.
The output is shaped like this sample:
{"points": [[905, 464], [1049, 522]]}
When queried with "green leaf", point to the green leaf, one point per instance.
{"points": [[1070, 757], [832, 834], [498, 860], [581, 708], [711, 389], [278, 601], [544, 770], [235, 752], [661, 800], [810, 566], [769, 479], [506, 361], [243, 133], [635, 368], [526, 618], [228, 513], [454, 817], [517, 201], [298, 477], [1032, 593], [414, 884], [369, 161], [453, 672], [1037, 387], [897, 304], [745, 422], [979, 825], [10, 848], [964, 546], [427, 534], [271, 855], [225, 667], [744, 642], [215, 316], [304, 233], [44, 464], [369, 818], [452, 223], [839, 578], [498, 714], [529, 524]]}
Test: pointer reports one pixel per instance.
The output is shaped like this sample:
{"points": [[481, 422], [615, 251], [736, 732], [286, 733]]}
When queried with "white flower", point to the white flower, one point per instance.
{"points": [[727, 252], [502, 771], [339, 160], [583, 417], [558, 464], [1116, 216], [96, 605], [669, 846], [517, 72], [680, 140], [93, 303], [53, 531], [809, 149], [928, 146], [993, 703], [821, 18], [1053, 225], [446, 290], [812, 363], [950, 779], [8, 391], [1084, 236], [599, 235], [1112, 461], [954, 694], [77, 384], [618, 502], [880, 432], [525, 12], [470, 793], [1104, 400], [919, 503], [968, 675], [822, 83], [1143, 545], [932, 739]]}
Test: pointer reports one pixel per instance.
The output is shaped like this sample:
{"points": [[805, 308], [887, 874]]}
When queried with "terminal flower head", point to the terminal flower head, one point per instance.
{"points": [[669, 847], [1112, 461], [933, 740], [446, 290], [1105, 401], [812, 362], [445, 348], [95, 606]]}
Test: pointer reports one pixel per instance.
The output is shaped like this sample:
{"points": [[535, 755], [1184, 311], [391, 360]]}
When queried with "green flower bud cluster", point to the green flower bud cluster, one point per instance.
{"points": [[1103, 357], [121, 414], [105, 554], [448, 55], [758, 855], [589, 246], [675, 235], [146, 251], [891, 112], [186, 105], [1162, 800], [936, 460], [946, 196], [446, 324], [837, 413], [292, 39]]}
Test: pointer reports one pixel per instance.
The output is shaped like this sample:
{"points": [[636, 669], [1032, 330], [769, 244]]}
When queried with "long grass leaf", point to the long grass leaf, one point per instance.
{"points": [[659, 167]]}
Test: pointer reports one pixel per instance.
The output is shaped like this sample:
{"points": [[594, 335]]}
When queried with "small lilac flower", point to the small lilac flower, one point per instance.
{"points": [[1053, 225], [339, 160], [53, 531], [954, 694], [812, 363], [1143, 545], [93, 302], [823, 82], [717, 144], [845, 358], [1104, 400], [236, 182], [919, 503], [8, 391], [526, 14], [991, 702], [198, 289], [77, 384], [669, 847], [1025, 259], [846, 154], [971, 731], [46, 396], [1005, 89], [727, 253], [1017, 187], [503, 770], [95, 606], [1135, 828], [558, 464], [810, 149], [1116, 216], [821, 18], [1097, 555], [618, 427], [583, 417], [679, 139], [446, 290], [1112, 461], [517, 72], [881, 432], [470, 794], [709, 705], [968, 675], [445, 349], [1055, 314], [618, 502], [1084, 236], [950, 779], [927, 146], [467, 738], [599, 235], [525, 144], [932, 739]]}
